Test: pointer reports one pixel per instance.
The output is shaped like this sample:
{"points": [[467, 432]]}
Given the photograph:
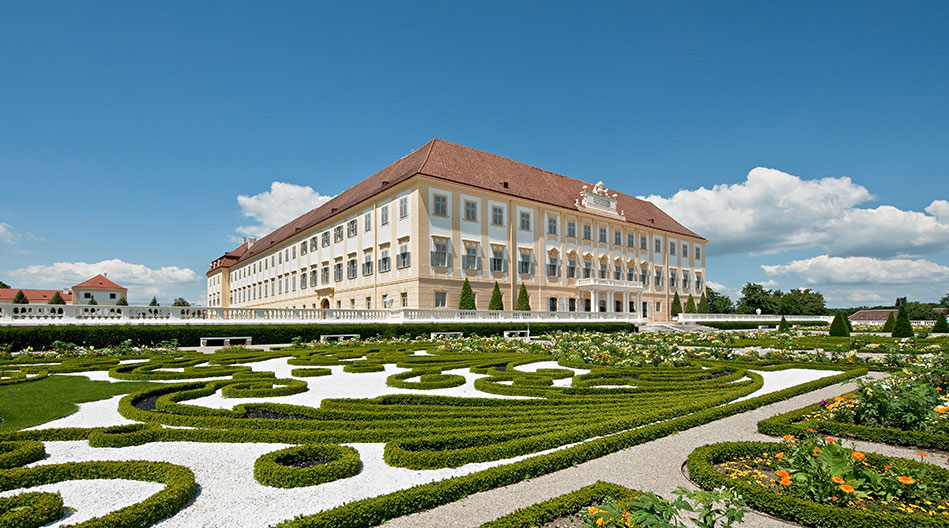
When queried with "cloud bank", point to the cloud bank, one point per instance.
{"points": [[143, 282], [274, 208]]}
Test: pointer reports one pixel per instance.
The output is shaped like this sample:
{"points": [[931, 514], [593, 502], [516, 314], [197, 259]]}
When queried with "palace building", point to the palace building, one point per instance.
{"points": [[409, 235]]}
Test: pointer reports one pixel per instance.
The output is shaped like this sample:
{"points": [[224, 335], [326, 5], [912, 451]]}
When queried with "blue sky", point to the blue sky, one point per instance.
{"points": [[129, 129]]}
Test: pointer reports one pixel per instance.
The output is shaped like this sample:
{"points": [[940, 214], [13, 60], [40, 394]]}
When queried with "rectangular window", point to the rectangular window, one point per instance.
{"points": [[587, 270], [385, 263], [440, 207], [685, 250], [326, 238], [672, 247], [698, 253], [352, 228], [572, 269], [525, 221], [698, 282], [617, 272], [441, 299], [403, 207], [369, 303], [497, 215], [404, 297], [602, 233], [617, 238], [280, 258], [604, 270], [658, 246], [314, 278], [571, 229], [551, 225], [525, 263], [367, 223], [112, 296], [337, 233], [294, 251], [303, 281], [672, 279], [367, 263], [325, 274], [497, 260], [658, 279], [404, 258], [351, 268], [314, 245], [630, 240], [685, 280], [303, 248], [338, 271], [470, 259], [644, 278], [279, 286], [553, 266], [471, 211], [294, 281], [643, 242], [440, 256], [587, 232], [384, 215], [630, 275]]}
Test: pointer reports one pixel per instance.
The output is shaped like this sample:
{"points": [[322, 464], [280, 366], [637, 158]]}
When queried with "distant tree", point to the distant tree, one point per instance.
{"points": [[57, 299], [942, 302], [783, 326], [803, 301], [497, 300], [917, 311], [902, 328], [718, 303], [154, 301], [941, 326], [754, 297], [5, 286], [122, 302], [838, 328], [20, 298], [704, 306], [690, 304], [180, 301], [523, 300], [900, 301], [92, 301], [890, 323], [467, 299], [676, 307]]}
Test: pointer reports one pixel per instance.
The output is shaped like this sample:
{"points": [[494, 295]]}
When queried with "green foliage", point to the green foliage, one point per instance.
{"points": [[753, 325], [563, 506], [57, 299], [803, 301], [903, 327], [900, 403], [718, 507], [30, 510], [497, 300], [839, 328], [755, 296], [180, 301], [5, 286], [122, 302], [92, 301], [676, 307], [944, 301], [890, 323], [467, 299], [690, 305], [783, 326], [704, 306], [523, 299], [20, 298], [153, 302], [321, 463], [717, 302], [28, 404], [941, 326]]}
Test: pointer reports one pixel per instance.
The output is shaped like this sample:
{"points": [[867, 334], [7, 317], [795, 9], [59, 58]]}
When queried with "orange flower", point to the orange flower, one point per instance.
{"points": [[905, 480], [846, 488], [592, 510], [786, 482], [941, 410], [858, 455], [779, 455], [783, 474], [837, 480], [789, 438], [888, 466], [829, 440], [922, 454], [838, 399], [811, 431], [816, 452]]}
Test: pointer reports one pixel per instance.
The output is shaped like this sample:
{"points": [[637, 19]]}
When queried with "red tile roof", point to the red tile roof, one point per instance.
{"points": [[467, 166], [228, 259], [99, 282], [34, 296]]}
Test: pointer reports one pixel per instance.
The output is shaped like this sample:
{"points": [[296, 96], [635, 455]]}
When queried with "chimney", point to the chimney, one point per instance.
{"points": [[250, 241]]}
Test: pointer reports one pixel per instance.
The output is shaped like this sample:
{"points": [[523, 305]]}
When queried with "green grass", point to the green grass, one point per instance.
{"points": [[37, 402]]}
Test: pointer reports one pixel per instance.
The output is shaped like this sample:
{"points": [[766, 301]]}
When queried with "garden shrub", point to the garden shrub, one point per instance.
{"points": [[467, 299], [30, 510], [497, 301], [306, 465], [562, 506], [890, 323], [523, 299], [903, 327], [839, 328]]}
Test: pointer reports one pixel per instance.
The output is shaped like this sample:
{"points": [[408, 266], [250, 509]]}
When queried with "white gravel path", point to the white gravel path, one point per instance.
{"points": [[785, 379], [94, 498], [102, 413]]}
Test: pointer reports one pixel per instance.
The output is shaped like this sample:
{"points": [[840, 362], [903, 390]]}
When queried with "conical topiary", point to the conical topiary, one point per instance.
{"points": [[783, 326], [20, 298], [92, 301], [497, 300], [890, 323], [154, 301], [57, 299], [690, 304], [902, 328], [704, 306], [941, 326], [838, 328], [523, 300], [467, 299], [676, 307], [122, 302]]}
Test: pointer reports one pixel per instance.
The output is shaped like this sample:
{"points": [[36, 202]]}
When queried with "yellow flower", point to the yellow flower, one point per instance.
{"points": [[906, 480]]}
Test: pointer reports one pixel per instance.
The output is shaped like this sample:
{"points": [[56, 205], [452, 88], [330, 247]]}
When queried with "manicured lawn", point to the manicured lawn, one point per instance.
{"points": [[36, 402]]}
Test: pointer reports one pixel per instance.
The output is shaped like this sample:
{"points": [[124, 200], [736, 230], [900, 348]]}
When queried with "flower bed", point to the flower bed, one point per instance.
{"points": [[818, 482]]}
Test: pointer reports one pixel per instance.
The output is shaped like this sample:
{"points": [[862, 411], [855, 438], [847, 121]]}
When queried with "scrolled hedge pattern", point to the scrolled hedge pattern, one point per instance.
{"points": [[332, 462], [701, 465]]}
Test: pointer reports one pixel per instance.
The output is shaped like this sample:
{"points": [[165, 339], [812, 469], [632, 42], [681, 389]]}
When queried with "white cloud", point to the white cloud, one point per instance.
{"points": [[143, 282], [7, 234], [827, 270], [720, 288], [274, 208], [865, 297], [772, 211]]}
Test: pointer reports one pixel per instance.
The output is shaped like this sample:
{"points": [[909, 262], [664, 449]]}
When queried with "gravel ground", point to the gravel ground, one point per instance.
{"points": [[93, 498]]}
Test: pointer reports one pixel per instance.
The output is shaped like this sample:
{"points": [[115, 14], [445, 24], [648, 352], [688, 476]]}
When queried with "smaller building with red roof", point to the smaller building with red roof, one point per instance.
{"points": [[100, 288]]}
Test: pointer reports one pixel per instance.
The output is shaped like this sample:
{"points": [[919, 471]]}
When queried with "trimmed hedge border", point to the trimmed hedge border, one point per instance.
{"points": [[427, 380], [41, 337], [30, 510], [788, 423], [339, 462], [701, 468], [16, 454], [567, 504], [310, 372]]}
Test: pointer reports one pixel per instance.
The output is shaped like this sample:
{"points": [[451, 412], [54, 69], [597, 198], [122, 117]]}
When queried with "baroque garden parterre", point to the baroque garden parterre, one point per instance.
{"points": [[461, 416]]}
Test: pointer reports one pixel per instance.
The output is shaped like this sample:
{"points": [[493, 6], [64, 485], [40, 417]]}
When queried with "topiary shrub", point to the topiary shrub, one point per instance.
{"points": [[306, 465], [690, 304], [890, 323], [497, 301], [902, 328], [676, 307], [783, 326], [467, 299], [704, 307], [122, 302], [92, 302], [57, 299], [523, 300], [839, 328], [941, 326], [20, 298], [153, 302]]}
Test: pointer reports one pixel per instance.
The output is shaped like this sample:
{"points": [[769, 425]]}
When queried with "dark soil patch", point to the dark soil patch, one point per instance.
{"points": [[270, 415], [501, 368], [146, 404], [722, 374]]}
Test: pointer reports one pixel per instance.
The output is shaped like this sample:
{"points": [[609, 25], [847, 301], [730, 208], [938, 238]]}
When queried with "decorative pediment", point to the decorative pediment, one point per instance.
{"points": [[599, 201]]}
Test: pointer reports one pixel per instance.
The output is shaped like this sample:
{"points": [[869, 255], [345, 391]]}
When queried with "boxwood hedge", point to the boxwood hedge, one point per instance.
{"points": [[306, 465], [564, 505]]}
